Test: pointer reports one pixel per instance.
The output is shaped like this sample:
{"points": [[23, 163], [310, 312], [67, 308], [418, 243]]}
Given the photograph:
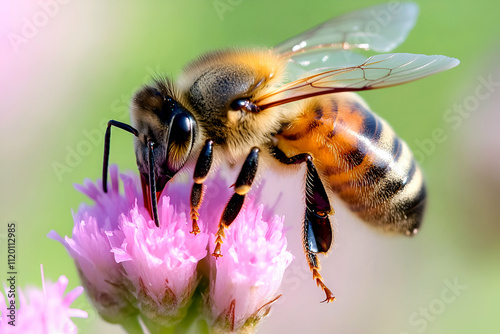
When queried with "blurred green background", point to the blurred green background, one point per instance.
{"points": [[79, 68]]}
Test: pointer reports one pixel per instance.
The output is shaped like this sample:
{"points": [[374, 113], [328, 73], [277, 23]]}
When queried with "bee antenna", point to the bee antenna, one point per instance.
{"points": [[107, 141]]}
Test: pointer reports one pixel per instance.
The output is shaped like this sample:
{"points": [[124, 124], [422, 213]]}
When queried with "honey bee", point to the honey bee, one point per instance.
{"points": [[292, 104]]}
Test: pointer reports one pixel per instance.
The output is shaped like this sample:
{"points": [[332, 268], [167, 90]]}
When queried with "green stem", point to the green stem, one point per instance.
{"points": [[131, 325], [155, 328]]}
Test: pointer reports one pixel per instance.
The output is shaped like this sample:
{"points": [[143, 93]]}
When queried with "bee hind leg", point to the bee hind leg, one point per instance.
{"points": [[241, 188], [201, 170], [317, 233]]}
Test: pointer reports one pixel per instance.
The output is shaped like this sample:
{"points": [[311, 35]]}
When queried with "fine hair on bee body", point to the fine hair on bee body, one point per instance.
{"points": [[283, 107], [232, 131], [233, 73]]}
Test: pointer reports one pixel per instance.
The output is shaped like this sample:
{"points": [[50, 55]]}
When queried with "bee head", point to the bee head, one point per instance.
{"points": [[161, 119]]}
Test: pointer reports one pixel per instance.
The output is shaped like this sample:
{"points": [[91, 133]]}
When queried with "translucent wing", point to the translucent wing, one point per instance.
{"points": [[374, 72], [379, 28]]}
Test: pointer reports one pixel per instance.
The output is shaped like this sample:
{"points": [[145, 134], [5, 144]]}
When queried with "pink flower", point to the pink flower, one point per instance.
{"points": [[249, 274], [159, 261], [130, 267], [101, 275], [43, 311]]}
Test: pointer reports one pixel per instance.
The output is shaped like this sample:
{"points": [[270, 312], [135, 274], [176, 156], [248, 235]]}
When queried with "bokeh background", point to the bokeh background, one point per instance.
{"points": [[64, 77]]}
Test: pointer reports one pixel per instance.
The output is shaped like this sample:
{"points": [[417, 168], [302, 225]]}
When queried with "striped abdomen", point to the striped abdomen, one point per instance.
{"points": [[361, 159]]}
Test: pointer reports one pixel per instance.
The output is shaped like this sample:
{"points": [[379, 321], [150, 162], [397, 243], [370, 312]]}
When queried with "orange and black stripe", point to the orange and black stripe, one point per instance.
{"points": [[361, 160]]}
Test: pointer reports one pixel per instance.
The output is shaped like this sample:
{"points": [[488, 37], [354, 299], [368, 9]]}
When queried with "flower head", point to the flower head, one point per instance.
{"points": [[131, 267], [249, 274], [101, 275], [159, 261], [43, 311]]}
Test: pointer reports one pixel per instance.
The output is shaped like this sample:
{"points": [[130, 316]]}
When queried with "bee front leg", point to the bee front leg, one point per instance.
{"points": [[201, 170], [241, 188], [318, 234]]}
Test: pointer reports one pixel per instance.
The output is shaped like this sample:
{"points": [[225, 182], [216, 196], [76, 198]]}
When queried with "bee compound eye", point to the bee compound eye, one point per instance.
{"points": [[180, 141]]}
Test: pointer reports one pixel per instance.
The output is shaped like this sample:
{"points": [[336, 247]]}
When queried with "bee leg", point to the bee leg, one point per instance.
{"points": [[318, 232], [107, 141], [241, 188], [201, 170]]}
